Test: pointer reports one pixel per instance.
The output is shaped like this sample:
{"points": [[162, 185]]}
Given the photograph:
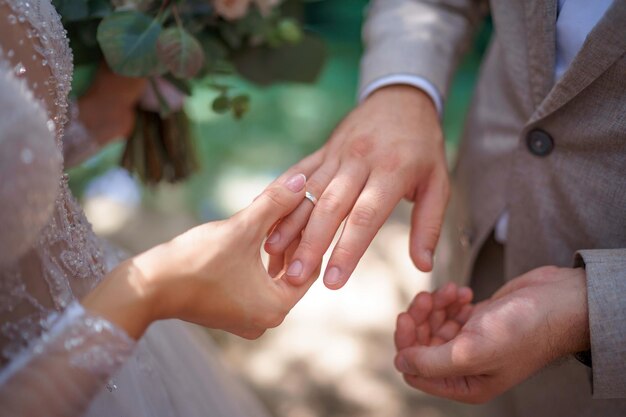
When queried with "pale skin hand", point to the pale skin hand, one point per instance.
{"points": [[473, 353], [389, 147], [211, 275]]}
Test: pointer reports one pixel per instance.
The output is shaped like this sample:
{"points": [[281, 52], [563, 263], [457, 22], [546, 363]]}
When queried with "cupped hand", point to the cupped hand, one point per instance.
{"points": [[389, 147], [212, 275], [474, 353]]}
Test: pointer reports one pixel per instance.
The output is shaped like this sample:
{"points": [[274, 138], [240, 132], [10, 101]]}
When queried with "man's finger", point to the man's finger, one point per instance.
{"points": [[421, 307], [290, 228], [372, 208], [331, 208], [426, 220], [446, 360], [404, 335]]}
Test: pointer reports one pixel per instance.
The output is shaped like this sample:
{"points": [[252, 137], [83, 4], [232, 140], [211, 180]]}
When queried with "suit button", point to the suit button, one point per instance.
{"points": [[539, 143]]}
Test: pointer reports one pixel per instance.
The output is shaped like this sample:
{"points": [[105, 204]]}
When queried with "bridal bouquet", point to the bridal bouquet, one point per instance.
{"points": [[174, 42]]}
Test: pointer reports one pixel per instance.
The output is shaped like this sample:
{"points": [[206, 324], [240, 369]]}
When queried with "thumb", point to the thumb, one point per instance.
{"points": [[443, 361], [278, 200]]}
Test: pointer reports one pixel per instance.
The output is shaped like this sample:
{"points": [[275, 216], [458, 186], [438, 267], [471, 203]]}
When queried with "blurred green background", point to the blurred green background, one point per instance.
{"points": [[288, 121]]}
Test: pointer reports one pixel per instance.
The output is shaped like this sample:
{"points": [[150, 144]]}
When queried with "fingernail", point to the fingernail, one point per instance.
{"points": [[274, 237], [403, 365], [428, 255], [332, 276], [295, 269], [296, 183]]}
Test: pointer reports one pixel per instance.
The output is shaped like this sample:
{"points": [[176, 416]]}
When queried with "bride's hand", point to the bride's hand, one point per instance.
{"points": [[211, 275]]}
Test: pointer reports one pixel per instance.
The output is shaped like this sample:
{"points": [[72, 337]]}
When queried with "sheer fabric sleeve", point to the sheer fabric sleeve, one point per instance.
{"points": [[78, 144], [30, 166], [64, 369]]}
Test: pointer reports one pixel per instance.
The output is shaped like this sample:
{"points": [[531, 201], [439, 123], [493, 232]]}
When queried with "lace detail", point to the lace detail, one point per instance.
{"points": [[81, 348], [65, 260], [52, 47], [78, 144], [91, 342]]}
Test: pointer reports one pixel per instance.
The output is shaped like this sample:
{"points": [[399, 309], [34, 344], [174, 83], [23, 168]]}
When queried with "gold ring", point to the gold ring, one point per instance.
{"points": [[310, 197]]}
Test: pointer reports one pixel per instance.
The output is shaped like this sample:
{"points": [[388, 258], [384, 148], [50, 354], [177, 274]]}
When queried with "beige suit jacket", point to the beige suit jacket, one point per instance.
{"points": [[571, 200]]}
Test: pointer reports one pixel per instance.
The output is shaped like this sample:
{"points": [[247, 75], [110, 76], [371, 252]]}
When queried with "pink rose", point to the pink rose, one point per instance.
{"points": [[231, 9]]}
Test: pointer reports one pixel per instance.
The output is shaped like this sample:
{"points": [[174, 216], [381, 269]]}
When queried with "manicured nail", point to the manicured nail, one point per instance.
{"points": [[295, 269], [403, 366], [274, 237], [296, 183], [333, 275]]}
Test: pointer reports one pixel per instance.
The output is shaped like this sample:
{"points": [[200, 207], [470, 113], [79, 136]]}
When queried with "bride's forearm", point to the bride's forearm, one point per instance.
{"points": [[127, 296]]}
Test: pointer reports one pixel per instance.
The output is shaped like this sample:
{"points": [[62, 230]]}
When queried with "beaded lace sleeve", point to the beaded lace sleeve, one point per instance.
{"points": [[78, 144], [30, 166], [63, 370]]}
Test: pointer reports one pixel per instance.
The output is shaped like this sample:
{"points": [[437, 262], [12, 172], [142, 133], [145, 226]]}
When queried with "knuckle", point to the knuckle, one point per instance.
{"points": [[275, 195], [390, 161], [314, 187], [363, 216], [328, 204], [361, 146], [432, 231], [343, 253], [308, 246]]}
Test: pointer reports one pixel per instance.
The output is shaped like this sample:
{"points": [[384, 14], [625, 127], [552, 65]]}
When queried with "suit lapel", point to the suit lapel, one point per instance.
{"points": [[540, 34], [605, 44]]}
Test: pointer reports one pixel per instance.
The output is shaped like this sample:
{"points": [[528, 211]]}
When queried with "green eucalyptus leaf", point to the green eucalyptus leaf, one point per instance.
{"points": [[183, 85], [180, 52], [240, 105], [221, 104], [289, 30], [128, 40]]}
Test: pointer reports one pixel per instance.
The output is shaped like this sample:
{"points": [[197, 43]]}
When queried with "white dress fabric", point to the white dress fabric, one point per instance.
{"points": [[55, 358]]}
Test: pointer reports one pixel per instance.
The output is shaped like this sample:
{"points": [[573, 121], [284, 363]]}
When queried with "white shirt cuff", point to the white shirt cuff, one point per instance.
{"points": [[406, 79]]}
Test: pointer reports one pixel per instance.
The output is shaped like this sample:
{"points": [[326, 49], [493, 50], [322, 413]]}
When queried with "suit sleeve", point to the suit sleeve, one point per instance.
{"points": [[422, 38], [606, 296]]}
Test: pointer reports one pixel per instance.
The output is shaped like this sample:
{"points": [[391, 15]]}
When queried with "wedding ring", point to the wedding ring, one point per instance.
{"points": [[310, 197]]}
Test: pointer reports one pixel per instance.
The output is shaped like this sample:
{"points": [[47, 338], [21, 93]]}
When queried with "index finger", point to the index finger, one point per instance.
{"points": [[372, 208]]}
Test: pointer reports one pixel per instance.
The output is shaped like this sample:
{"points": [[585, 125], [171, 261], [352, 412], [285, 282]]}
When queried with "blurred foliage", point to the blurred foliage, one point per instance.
{"points": [[182, 41], [287, 121]]}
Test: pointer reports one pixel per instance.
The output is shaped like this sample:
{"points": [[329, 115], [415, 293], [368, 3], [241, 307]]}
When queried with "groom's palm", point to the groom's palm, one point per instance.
{"points": [[503, 341]]}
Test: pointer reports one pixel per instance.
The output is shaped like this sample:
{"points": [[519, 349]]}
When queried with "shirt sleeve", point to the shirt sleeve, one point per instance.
{"points": [[405, 79]]}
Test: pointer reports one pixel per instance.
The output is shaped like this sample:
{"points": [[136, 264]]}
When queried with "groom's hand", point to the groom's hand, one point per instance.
{"points": [[389, 147], [472, 354]]}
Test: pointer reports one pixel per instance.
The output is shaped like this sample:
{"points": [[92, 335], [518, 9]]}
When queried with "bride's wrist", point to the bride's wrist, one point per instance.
{"points": [[127, 297]]}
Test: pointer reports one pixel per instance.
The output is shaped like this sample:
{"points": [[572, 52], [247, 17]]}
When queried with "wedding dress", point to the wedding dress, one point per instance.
{"points": [[57, 359]]}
